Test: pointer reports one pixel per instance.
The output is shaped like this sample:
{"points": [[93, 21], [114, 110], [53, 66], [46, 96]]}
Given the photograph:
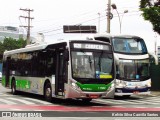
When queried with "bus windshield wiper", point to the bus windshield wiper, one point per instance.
{"points": [[99, 61], [90, 62]]}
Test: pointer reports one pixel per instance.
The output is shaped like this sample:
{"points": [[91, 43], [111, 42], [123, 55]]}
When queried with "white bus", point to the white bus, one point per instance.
{"points": [[78, 69], [132, 64]]}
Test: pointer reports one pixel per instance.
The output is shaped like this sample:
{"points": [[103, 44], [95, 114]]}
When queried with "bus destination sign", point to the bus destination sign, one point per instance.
{"points": [[90, 46]]}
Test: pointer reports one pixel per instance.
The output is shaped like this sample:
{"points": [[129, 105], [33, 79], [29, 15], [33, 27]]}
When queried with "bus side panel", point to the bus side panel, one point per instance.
{"points": [[30, 84]]}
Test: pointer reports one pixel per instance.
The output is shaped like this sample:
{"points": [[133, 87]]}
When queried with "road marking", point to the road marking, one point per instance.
{"points": [[153, 101], [141, 102], [104, 101], [22, 101], [5, 94], [115, 101], [39, 101], [16, 109], [119, 106], [7, 102], [150, 100], [153, 98]]}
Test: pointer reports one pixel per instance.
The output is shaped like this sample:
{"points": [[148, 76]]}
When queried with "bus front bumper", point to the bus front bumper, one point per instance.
{"points": [[73, 93], [132, 91]]}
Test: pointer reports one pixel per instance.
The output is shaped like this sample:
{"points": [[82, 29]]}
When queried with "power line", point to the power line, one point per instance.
{"points": [[82, 22], [101, 19], [58, 28]]}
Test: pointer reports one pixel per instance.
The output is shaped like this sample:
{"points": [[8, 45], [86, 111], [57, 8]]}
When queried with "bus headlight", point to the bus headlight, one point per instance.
{"points": [[121, 84], [75, 86], [148, 84], [111, 87]]}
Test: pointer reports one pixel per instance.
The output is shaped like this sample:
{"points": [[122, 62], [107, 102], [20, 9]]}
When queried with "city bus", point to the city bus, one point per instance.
{"points": [[74, 68], [132, 61]]}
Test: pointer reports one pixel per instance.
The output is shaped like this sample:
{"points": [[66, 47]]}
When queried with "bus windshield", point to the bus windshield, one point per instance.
{"points": [[129, 45], [134, 69], [94, 65]]}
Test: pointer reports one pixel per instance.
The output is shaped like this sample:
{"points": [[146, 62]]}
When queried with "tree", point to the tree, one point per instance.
{"points": [[151, 12], [11, 44]]}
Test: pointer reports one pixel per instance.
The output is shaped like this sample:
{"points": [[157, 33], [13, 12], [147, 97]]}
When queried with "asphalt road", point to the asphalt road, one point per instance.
{"points": [[29, 106]]}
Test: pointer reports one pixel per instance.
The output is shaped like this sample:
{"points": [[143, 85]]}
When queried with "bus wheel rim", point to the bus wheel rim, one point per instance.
{"points": [[13, 88], [48, 92]]}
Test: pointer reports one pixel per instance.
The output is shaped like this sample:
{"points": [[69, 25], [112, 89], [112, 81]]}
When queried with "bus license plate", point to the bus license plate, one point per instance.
{"points": [[135, 92], [94, 96]]}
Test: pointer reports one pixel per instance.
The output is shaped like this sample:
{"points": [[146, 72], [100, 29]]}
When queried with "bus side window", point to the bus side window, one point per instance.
{"points": [[41, 64], [48, 64]]}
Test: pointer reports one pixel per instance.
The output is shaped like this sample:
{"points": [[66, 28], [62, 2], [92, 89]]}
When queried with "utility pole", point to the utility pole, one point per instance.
{"points": [[29, 21], [99, 17], [108, 15], [155, 44]]}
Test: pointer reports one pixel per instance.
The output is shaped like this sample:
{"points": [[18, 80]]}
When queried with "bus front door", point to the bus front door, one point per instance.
{"points": [[60, 74], [7, 71]]}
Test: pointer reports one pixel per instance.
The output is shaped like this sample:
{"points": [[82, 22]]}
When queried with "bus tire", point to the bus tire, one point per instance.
{"points": [[13, 87], [48, 92]]}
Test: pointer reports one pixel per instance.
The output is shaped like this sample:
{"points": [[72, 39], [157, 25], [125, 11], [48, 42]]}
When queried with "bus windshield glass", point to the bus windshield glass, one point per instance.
{"points": [[134, 69], [129, 46], [94, 65]]}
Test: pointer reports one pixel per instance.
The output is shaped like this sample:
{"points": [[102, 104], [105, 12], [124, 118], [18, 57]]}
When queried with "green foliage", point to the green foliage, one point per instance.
{"points": [[11, 44], [151, 12], [145, 3]]}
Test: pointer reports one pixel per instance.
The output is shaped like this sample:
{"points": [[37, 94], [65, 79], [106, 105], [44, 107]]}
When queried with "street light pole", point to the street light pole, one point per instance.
{"points": [[108, 16], [99, 22], [120, 19], [126, 11]]}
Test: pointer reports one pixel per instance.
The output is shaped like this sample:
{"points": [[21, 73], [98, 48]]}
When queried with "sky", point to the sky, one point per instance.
{"points": [[51, 15]]}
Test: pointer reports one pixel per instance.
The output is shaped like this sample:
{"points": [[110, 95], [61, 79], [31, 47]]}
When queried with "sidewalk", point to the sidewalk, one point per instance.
{"points": [[155, 93]]}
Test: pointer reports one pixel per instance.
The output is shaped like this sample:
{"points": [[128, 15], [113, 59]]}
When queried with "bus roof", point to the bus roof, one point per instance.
{"points": [[27, 49], [43, 45], [120, 36]]}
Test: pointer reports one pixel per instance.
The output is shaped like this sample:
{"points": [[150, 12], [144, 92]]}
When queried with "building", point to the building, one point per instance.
{"points": [[10, 31]]}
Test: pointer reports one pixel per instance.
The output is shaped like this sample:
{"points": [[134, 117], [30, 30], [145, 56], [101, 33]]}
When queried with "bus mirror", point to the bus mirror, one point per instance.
{"points": [[116, 59], [117, 75], [66, 55], [155, 58]]}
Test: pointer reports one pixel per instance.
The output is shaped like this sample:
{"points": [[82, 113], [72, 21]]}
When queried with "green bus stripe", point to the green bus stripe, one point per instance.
{"points": [[20, 83], [94, 87], [23, 84]]}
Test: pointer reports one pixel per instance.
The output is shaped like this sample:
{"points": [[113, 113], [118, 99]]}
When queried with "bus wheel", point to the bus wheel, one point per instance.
{"points": [[86, 100], [48, 92], [13, 86]]}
